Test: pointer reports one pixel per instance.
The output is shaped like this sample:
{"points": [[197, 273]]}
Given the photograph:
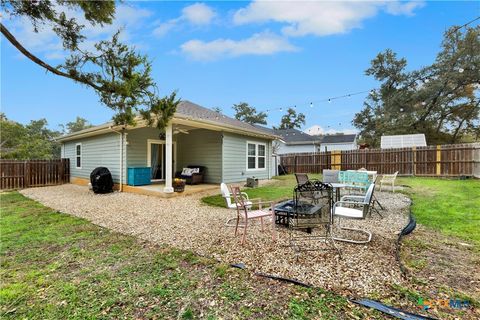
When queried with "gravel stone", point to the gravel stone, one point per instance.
{"points": [[187, 223]]}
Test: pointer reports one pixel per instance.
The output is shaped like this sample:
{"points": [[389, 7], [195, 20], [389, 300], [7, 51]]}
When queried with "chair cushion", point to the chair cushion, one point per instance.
{"points": [[187, 171], [195, 170], [348, 212]]}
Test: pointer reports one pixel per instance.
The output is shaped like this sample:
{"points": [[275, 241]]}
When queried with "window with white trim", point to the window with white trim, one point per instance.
{"points": [[78, 155], [256, 155]]}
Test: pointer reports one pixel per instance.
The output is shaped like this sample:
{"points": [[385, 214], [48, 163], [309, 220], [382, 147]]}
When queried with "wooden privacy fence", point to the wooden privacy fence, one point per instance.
{"points": [[18, 174], [443, 160]]}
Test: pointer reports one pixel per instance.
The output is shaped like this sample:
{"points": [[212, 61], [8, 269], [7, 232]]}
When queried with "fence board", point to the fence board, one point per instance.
{"points": [[446, 160], [18, 174]]}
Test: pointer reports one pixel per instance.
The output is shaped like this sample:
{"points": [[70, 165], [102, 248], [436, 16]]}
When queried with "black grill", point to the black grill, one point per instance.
{"points": [[101, 180]]}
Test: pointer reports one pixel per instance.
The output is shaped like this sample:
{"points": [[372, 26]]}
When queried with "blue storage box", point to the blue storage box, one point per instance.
{"points": [[139, 176]]}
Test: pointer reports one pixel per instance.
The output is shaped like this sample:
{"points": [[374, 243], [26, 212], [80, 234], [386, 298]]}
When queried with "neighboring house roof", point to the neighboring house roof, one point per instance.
{"points": [[403, 141], [291, 136], [189, 111], [339, 138]]}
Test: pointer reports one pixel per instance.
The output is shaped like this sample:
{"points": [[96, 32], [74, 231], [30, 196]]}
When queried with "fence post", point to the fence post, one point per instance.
{"points": [[26, 174], [439, 159], [295, 163], [414, 161]]}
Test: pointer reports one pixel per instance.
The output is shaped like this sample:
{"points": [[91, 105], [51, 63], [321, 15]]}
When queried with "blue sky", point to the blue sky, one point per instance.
{"points": [[269, 54]]}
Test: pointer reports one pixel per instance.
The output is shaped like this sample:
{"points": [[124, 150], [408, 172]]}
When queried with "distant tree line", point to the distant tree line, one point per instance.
{"points": [[34, 140], [441, 100]]}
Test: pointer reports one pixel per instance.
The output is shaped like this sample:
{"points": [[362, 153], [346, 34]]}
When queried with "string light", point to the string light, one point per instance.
{"points": [[311, 104]]}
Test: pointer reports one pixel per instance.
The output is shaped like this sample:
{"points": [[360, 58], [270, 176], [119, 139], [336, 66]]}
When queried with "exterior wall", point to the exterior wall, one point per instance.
{"points": [[224, 154], [338, 146], [97, 151], [204, 148], [235, 158], [137, 147], [284, 148]]}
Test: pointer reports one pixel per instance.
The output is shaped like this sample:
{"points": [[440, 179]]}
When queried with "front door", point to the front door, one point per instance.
{"points": [[156, 159]]}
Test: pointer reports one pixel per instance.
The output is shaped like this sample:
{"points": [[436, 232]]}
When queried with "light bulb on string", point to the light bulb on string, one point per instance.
{"points": [[311, 104], [424, 103], [461, 70], [329, 100], [401, 109]]}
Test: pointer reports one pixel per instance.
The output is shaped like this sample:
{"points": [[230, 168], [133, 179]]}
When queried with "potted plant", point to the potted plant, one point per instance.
{"points": [[178, 185]]}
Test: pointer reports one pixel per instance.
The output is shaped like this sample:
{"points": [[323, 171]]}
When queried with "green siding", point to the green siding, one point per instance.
{"points": [[98, 151], [204, 148], [235, 158], [137, 148]]}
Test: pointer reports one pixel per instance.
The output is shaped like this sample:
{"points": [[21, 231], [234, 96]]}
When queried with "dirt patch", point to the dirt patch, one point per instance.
{"points": [[442, 261]]}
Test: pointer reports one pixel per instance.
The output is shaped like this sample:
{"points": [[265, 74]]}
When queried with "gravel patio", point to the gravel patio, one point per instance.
{"points": [[187, 223]]}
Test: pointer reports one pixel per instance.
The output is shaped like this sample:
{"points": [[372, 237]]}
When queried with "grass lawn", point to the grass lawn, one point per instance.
{"points": [[55, 266], [280, 189], [448, 205]]}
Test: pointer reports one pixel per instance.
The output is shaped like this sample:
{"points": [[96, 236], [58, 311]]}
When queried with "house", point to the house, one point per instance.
{"points": [[231, 150], [403, 141], [295, 141], [339, 142]]}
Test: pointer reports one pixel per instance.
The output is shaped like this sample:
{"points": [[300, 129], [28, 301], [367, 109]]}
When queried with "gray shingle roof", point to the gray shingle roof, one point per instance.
{"points": [[190, 110], [339, 138]]}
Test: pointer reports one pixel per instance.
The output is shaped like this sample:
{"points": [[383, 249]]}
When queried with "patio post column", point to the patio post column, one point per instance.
{"points": [[168, 158]]}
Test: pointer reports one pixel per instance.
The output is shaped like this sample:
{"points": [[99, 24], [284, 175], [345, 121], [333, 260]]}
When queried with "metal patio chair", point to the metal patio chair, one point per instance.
{"points": [[308, 193], [389, 179], [244, 210], [349, 209], [310, 222], [230, 202]]}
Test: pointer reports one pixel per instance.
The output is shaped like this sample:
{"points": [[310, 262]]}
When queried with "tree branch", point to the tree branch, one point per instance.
{"points": [[41, 63]]}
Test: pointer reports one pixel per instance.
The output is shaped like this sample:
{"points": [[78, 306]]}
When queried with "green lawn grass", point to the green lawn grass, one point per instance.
{"points": [[280, 189], [449, 205], [56, 266]]}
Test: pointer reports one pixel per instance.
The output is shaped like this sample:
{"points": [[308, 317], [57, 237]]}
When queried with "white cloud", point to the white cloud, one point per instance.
{"points": [[198, 14], [264, 43], [316, 130], [397, 8], [319, 18]]}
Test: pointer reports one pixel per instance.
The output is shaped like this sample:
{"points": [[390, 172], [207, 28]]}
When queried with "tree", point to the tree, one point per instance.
{"points": [[217, 109], [77, 125], [32, 141], [120, 76], [248, 114], [292, 120], [440, 100]]}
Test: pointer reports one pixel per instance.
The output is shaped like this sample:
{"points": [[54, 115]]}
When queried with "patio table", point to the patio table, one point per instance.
{"points": [[337, 186]]}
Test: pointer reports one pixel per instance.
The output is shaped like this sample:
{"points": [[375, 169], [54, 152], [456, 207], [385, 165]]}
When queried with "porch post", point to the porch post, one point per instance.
{"points": [[168, 159]]}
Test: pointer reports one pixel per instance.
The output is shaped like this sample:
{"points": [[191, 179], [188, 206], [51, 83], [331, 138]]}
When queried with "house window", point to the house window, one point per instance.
{"points": [[256, 156], [78, 155]]}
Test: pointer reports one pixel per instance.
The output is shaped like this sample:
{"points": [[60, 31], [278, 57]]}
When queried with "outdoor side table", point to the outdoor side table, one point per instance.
{"points": [[337, 186]]}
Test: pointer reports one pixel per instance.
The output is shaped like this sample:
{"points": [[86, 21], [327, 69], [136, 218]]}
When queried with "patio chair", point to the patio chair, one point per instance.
{"points": [[302, 178], [230, 202], [192, 174], [245, 211], [348, 209], [355, 180], [389, 179], [330, 176], [361, 198]]}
